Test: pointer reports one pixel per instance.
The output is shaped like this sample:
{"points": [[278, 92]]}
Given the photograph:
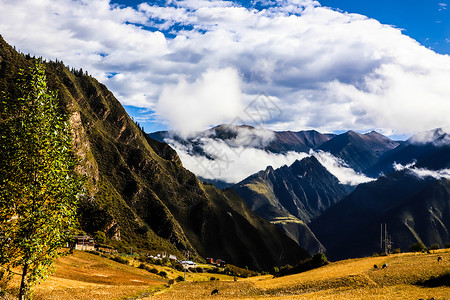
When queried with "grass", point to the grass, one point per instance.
{"points": [[83, 275], [349, 279], [87, 276]]}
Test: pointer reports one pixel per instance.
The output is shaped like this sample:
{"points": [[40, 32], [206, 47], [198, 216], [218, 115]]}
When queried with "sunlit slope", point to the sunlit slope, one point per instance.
{"points": [[349, 279]]}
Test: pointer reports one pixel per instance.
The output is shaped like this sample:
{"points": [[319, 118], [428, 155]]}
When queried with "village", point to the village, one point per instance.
{"points": [[87, 243]]}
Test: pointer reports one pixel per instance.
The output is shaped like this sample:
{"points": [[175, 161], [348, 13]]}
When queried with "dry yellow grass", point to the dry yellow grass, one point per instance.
{"points": [[349, 279], [86, 276]]}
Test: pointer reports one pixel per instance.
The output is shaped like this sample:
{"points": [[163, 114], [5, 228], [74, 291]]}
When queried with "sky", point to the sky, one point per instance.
{"points": [[294, 65]]}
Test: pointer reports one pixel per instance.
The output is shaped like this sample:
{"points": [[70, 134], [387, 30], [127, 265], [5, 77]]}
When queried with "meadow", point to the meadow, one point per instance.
{"points": [[83, 275]]}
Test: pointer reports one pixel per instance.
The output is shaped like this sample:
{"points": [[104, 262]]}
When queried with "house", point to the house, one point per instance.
{"points": [[172, 257], [82, 242], [188, 263]]}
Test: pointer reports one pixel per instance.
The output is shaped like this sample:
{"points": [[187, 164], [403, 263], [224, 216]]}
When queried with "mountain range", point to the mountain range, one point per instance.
{"points": [[333, 195], [406, 187]]}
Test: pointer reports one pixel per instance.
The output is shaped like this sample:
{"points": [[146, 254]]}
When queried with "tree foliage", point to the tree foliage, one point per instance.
{"points": [[38, 184]]}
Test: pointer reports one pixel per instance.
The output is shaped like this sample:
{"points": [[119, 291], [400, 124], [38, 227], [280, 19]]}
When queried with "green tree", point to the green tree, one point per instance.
{"points": [[418, 247], [38, 184]]}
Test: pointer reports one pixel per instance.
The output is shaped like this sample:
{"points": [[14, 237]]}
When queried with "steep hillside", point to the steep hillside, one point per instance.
{"points": [[415, 209], [293, 196], [138, 191], [359, 151], [305, 190]]}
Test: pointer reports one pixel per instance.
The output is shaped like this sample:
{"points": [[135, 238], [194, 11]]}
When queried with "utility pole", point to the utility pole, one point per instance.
{"points": [[381, 238], [385, 240], [184, 265]]}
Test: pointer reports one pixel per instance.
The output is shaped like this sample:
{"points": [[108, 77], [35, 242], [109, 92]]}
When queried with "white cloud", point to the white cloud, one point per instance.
{"points": [[437, 137], [328, 70], [214, 97], [340, 169], [241, 154], [422, 172], [400, 167], [231, 164]]}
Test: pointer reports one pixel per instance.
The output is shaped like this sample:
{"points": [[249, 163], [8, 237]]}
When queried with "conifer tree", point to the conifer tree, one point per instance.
{"points": [[38, 184]]}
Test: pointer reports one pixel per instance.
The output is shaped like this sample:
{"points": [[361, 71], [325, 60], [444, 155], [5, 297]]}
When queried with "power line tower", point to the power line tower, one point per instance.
{"points": [[385, 240]]}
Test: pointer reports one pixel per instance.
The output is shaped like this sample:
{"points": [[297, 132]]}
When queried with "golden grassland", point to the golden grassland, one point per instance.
{"points": [[349, 279], [83, 275], [87, 276]]}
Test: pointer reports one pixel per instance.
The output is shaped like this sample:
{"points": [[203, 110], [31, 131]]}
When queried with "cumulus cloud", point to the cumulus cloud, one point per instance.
{"points": [[214, 97], [340, 169], [328, 70]]}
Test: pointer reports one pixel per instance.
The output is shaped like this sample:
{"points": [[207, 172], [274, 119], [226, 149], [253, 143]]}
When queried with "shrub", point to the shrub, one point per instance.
{"points": [[418, 247], [179, 267], [179, 278], [314, 262], [212, 278], [142, 266], [447, 245], [435, 246], [171, 281], [162, 274], [120, 259], [153, 270], [275, 270], [214, 270], [199, 270], [397, 250]]}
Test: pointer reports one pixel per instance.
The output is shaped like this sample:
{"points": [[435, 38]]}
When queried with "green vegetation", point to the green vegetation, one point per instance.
{"points": [[418, 247], [38, 184], [435, 246], [318, 260]]}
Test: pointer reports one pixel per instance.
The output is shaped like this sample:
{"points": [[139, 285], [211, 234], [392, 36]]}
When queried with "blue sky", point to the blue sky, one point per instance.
{"points": [[192, 64], [428, 22]]}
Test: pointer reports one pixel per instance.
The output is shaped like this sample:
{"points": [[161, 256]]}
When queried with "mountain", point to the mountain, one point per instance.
{"points": [[415, 209], [249, 136], [293, 196], [429, 149], [359, 151], [138, 192]]}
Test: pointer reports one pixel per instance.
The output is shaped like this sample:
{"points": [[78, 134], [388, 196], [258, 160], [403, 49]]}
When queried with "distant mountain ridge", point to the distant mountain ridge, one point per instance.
{"points": [[359, 151], [411, 196], [276, 142], [292, 197], [430, 149]]}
